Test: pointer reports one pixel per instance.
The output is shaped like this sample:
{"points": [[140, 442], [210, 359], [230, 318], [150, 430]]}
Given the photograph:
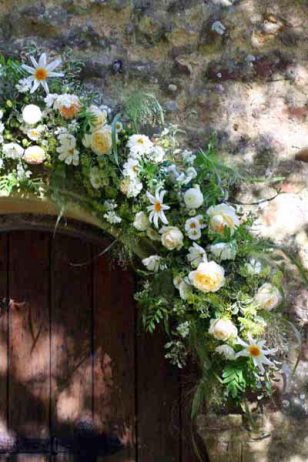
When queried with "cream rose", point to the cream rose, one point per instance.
{"points": [[172, 237], [101, 140], [99, 116], [226, 351], [222, 216], [34, 155], [268, 297], [222, 329], [141, 222], [193, 198], [208, 277], [31, 114]]}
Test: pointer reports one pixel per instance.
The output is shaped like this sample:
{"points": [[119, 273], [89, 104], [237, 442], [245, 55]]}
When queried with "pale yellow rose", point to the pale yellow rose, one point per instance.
{"points": [[208, 277], [101, 140], [222, 216], [34, 155], [172, 237]]}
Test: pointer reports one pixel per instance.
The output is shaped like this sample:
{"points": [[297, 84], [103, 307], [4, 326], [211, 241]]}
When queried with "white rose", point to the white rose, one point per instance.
{"points": [[172, 237], [31, 114], [152, 263], [193, 198], [268, 297], [223, 250], [157, 154], [208, 277], [226, 351], [222, 216], [12, 150], [222, 329], [183, 287], [34, 155], [141, 222]]}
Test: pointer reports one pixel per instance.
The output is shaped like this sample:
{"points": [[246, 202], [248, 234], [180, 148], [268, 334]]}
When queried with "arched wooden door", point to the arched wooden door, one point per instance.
{"points": [[78, 381]]}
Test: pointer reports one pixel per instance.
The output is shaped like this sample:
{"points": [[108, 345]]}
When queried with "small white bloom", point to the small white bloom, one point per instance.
{"points": [[268, 297], [193, 198], [50, 99], [157, 154], [184, 290], [31, 114], [141, 221], [226, 351], [172, 173], [188, 157], [256, 352], [253, 266], [196, 255], [131, 187], [12, 150], [157, 209], [218, 27], [2, 127], [35, 133], [95, 178], [67, 149], [172, 237], [193, 227], [24, 85], [183, 329], [208, 277], [222, 216], [1, 114], [152, 263], [131, 168], [112, 217], [34, 155], [222, 329], [139, 145], [22, 173], [224, 250], [41, 71]]}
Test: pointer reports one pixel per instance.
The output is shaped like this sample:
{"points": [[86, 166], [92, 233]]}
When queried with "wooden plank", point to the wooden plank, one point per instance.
{"points": [[71, 334], [3, 332], [29, 342], [114, 360], [159, 428], [193, 449]]}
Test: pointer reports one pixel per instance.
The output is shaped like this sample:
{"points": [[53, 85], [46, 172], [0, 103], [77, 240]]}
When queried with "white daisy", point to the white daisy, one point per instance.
{"points": [[157, 208], [254, 350], [67, 149], [193, 227], [139, 145], [41, 71]]}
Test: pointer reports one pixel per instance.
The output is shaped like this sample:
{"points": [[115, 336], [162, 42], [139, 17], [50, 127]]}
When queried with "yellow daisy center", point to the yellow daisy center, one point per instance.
{"points": [[157, 207], [254, 350], [41, 73]]}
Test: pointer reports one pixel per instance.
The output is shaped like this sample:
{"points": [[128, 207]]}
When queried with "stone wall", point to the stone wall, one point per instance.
{"points": [[233, 67]]}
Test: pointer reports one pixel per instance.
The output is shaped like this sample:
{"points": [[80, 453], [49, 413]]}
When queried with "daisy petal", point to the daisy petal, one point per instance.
{"points": [[55, 74], [45, 86], [35, 86], [33, 61], [55, 63], [29, 69], [42, 60]]}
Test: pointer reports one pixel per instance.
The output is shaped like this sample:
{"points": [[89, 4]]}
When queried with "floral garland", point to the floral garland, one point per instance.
{"points": [[204, 276]]}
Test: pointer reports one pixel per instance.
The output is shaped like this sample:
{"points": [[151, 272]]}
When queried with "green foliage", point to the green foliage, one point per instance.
{"points": [[234, 379], [143, 109]]}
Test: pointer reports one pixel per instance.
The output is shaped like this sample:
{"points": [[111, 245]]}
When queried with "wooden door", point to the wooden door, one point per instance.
{"points": [[78, 381]]}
